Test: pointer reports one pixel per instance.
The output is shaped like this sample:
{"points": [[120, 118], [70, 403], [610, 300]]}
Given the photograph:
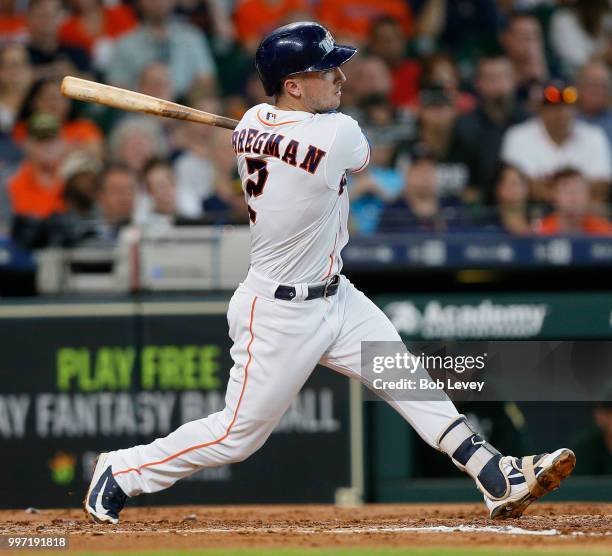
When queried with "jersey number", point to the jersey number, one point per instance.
{"points": [[255, 189]]}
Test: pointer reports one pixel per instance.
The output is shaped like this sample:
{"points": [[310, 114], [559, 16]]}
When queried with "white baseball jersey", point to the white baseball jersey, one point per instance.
{"points": [[293, 168]]}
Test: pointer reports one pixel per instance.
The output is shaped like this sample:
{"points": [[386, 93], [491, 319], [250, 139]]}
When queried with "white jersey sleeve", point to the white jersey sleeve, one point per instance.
{"points": [[348, 152]]}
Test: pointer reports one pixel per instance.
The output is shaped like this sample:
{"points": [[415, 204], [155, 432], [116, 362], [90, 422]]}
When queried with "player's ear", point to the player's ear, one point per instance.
{"points": [[292, 87]]}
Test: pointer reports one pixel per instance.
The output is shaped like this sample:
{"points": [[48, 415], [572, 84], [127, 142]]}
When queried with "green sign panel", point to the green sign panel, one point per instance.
{"points": [[562, 316]]}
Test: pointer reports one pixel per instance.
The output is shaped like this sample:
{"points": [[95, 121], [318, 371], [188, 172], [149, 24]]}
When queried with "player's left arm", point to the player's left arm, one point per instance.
{"points": [[349, 150], [357, 145]]}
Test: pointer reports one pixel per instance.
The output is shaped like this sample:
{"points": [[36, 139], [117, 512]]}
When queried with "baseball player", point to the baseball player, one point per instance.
{"points": [[295, 309]]}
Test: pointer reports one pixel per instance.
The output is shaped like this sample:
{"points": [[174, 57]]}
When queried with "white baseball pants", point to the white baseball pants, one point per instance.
{"points": [[276, 345]]}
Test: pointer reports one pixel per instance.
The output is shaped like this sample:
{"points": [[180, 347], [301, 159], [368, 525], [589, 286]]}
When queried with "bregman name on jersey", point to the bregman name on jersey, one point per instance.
{"points": [[262, 142]]}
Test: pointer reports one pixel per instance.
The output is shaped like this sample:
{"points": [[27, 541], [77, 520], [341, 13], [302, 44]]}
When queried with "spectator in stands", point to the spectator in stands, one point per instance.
{"points": [[135, 141], [555, 139], [512, 197], [160, 184], [388, 42], [478, 134], [441, 70], [116, 198], [81, 221], [10, 159], [419, 208], [45, 96], [594, 90], [15, 79], [156, 81], [226, 205], [369, 196], [436, 122], [370, 78], [49, 57], [94, 26], [524, 45], [15, 74], [256, 18], [581, 32], [215, 19], [464, 27], [385, 126], [381, 182], [36, 189], [195, 167], [211, 16], [571, 198], [160, 38], [12, 23], [81, 171], [353, 19]]}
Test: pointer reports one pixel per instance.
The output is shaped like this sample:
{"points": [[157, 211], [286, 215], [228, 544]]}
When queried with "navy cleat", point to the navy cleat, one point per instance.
{"points": [[508, 484], [530, 478], [104, 499]]}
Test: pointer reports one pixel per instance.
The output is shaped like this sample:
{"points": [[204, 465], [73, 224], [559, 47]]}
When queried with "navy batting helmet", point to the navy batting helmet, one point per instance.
{"points": [[296, 48]]}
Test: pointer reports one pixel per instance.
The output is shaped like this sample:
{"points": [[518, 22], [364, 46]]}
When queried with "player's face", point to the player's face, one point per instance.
{"points": [[321, 90]]}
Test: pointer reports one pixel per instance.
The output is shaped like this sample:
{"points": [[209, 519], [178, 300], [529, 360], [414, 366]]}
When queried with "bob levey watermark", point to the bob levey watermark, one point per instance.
{"points": [[411, 363]]}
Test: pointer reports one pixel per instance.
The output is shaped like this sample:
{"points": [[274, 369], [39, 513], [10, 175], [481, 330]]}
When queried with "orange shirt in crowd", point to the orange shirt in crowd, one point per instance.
{"points": [[590, 225], [355, 17], [12, 27], [256, 18], [30, 197], [117, 20], [74, 131]]}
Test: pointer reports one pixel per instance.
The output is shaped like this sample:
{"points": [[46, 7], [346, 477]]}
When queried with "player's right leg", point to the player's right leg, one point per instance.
{"points": [[508, 484], [276, 346]]}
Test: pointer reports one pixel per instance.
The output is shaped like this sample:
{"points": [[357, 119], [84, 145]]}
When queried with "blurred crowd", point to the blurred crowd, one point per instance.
{"points": [[483, 115]]}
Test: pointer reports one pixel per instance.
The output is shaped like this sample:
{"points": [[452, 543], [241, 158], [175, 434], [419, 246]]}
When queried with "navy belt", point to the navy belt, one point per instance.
{"points": [[314, 292]]}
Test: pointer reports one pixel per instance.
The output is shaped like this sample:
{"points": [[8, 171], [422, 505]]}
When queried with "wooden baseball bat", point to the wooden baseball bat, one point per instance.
{"points": [[124, 99]]}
